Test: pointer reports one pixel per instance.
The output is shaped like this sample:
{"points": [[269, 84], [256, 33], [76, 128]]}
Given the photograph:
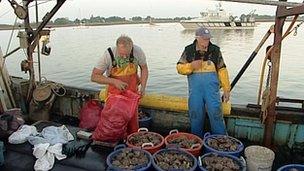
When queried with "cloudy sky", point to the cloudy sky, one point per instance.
{"points": [[128, 8]]}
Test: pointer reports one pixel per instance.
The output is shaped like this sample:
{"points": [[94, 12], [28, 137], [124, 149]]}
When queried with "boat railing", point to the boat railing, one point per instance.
{"points": [[287, 100]]}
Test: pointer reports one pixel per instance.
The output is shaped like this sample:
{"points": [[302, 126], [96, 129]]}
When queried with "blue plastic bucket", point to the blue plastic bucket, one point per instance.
{"points": [[177, 151], [240, 162], [209, 149], [146, 121], [1, 153], [298, 167], [120, 148]]}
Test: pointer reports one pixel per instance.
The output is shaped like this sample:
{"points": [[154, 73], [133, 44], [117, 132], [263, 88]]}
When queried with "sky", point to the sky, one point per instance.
{"points": [[128, 8]]}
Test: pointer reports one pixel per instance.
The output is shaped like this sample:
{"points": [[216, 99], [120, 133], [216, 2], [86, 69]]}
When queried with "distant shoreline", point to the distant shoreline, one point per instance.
{"points": [[10, 27]]}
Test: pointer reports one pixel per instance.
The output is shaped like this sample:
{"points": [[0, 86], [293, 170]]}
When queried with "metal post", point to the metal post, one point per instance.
{"points": [[38, 45], [47, 18], [13, 51], [33, 36], [29, 32]]}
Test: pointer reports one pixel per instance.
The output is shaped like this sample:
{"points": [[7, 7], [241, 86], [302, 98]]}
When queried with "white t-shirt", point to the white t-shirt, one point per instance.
{"points": [[105, 62]]}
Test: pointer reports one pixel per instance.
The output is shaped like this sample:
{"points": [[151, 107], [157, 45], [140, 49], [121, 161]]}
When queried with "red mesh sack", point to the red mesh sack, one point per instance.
{"points": [[114, 117], [90, 114]]}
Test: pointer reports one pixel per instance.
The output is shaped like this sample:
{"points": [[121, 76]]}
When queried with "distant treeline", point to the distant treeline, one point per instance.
{"points": [[113, 19], [98, 20]]}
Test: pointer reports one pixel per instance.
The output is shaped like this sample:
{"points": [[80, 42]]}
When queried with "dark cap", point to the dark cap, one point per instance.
{"points": [[202, 32]]}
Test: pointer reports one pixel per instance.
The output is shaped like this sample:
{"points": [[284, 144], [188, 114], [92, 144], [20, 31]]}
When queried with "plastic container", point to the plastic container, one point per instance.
{"points": [[146, 121], [2, 149], [240, 161], [195, 149], [147, 146], [297, 167], [210, 149], [118, 149], [226, 108], [259, 158], [177, 151]]}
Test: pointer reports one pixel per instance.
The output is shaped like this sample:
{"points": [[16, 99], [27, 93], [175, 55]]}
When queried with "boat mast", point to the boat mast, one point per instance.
{"points": [[281, 14], [33, 37]]}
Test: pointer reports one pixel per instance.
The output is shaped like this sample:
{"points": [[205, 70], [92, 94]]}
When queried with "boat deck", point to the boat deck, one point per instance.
{"points": [[20, 158]]}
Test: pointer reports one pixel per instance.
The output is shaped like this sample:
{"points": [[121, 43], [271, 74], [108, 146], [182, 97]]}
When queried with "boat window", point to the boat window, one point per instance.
{"points": [[227, 24]]}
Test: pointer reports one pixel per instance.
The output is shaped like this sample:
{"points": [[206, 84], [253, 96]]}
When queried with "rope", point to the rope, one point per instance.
{"points": [[265, 103], [6, 86], [269, 74], [10, 40], [266, 95], [11, 36], [288, 31], [54, 86], [296, 28], [6, 12]]}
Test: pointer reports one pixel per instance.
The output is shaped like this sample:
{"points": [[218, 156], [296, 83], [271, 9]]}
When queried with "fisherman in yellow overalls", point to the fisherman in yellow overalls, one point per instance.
{"points": [[120, 64], [204, 66]]}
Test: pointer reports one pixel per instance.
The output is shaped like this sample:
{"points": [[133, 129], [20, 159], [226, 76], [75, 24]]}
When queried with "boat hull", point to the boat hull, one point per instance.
{"points": [[171, 112], [192, 25], [168, 112]]}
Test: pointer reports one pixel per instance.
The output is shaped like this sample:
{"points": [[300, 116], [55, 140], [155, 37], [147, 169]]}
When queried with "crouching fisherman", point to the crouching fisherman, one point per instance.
{"points": [[118, 69]]}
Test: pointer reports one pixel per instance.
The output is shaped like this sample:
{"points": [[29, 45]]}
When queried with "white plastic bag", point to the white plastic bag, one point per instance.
{"points": [[52, 135], [56, 135], [20, 136], [45, 154]]}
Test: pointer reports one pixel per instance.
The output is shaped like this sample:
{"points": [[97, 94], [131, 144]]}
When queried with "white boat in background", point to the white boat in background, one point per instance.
{"points": [[220, 19], [81, 25]]}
